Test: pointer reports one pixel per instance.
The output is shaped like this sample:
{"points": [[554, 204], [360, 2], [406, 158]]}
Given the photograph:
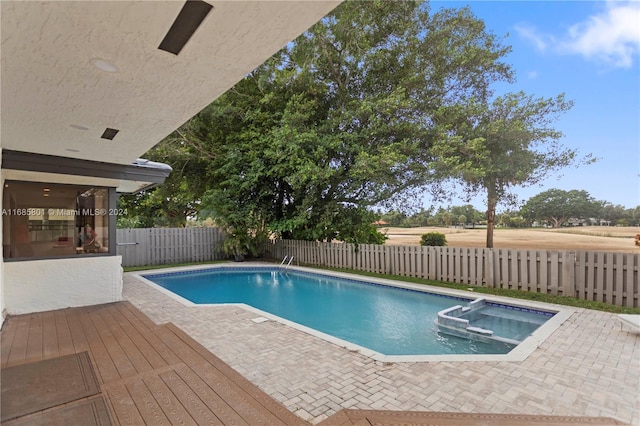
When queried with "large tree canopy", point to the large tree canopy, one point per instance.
{"points": [[492, 147], [342, 119], [556, 206]]}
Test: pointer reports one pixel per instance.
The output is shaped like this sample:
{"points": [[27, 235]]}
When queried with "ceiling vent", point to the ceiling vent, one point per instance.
{"points": [[189, 19], [109, 133]]}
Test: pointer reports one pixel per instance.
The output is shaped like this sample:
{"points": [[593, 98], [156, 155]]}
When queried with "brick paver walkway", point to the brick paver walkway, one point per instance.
{"points": [[588, 367]]}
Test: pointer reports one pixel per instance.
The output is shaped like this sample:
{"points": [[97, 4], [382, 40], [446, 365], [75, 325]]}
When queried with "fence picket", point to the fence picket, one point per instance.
{"points": [[504, 268], [600, 277]]}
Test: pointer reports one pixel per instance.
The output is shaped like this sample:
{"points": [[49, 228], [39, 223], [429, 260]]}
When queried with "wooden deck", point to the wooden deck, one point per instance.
{"points": [[158, 375], [148, 373], [432, 418]]}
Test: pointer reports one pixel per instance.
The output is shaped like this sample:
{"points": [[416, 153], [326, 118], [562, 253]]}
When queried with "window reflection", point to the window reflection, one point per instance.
{"points": [[49, 220]]}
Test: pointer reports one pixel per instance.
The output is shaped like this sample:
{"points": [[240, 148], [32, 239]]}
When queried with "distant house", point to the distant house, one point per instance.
{"points": [[380, 223], [577, 222]]}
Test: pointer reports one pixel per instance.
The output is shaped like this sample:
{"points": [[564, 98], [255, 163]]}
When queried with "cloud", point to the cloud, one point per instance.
{"points": [[532, 74], [531, 34], [611, 36]]}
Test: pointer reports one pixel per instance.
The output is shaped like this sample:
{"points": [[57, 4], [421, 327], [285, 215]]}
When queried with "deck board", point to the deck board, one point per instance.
{"points": [[105, 366], [63, 332], [123, 364], [6, 344], [214, 402], [137, 337], [126, 412], [148, 373], [353, 417], [147, 404], [278, 411], [18, 349], [146, 328], [78, 336], [130, 349], [50, 337], [245, 396], [34, 343], [170, 405], [198, 410]]}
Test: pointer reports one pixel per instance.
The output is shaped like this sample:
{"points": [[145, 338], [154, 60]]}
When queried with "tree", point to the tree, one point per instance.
{"points": [[420, 218], [493, 147], [614, 213], [394, 217], [513, 219], [173, 202], [340, 120], [556, 206], [470, 213]]}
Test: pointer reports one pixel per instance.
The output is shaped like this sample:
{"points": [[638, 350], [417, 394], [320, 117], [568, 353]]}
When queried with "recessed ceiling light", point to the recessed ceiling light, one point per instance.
{"points": [[46, 190], [72, 150], [104, 65], [78, 127]]}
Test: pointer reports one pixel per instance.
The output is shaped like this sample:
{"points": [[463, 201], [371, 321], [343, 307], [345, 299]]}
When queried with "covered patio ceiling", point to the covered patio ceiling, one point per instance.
{"points": [[72, 69]]}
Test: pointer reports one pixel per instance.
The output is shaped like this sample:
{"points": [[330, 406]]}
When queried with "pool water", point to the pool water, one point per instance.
{"points": [[388, 320]]}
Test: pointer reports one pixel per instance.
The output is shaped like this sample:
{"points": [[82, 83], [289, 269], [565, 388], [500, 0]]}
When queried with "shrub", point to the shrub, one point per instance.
{"points": [[433, 239]]}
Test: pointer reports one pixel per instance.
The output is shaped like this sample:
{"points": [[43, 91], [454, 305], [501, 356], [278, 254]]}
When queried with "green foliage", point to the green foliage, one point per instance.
{"points": [[433, 239], [556, 206], [239, 244], [340, 120], [492, 147], [394, 218], [513, 219], [617, 214], [176, 200]]}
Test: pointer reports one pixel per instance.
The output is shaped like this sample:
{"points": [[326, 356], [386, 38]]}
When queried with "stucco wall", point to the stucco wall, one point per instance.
{"points": [[42, 285]]}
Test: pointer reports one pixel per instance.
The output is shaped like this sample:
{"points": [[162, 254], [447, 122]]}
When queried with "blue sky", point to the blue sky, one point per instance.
{"points": [[590, 51]]}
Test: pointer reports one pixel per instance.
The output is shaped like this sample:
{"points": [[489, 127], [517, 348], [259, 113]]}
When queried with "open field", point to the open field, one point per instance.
{"points": [[598, 238]]}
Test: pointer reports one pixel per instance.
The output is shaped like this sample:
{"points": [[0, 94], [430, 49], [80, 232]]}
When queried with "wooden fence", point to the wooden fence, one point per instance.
{"points": [[598, 276], [157, 246]]}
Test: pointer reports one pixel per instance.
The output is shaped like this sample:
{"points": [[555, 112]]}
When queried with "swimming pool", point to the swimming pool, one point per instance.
{"points": [[386, 319]]}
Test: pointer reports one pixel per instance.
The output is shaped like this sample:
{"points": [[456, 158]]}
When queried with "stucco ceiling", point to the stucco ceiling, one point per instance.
{"points": [[55, 101]]}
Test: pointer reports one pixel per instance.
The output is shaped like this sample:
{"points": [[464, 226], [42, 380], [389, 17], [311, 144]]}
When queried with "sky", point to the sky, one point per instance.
{"points": [[589, 50]]}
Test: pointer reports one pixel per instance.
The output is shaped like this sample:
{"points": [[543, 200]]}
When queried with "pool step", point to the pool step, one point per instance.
{"points": [[449, 322]]}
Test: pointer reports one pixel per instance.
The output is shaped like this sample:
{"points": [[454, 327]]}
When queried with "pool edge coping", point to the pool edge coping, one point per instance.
{"points": [[520, 353]]}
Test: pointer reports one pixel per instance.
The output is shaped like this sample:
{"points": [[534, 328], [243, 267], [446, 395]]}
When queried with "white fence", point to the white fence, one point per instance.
{"points": [[157, 246], [598, 276]]}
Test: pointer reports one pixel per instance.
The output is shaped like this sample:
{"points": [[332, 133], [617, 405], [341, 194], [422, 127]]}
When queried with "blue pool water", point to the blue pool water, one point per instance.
{"points": [[388, 320]]}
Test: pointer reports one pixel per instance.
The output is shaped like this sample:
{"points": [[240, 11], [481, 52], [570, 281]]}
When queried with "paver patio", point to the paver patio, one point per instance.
{"points": [[590, 366]]}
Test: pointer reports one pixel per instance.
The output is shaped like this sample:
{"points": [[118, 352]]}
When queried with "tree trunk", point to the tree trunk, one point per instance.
{"points": [[492, 201]]}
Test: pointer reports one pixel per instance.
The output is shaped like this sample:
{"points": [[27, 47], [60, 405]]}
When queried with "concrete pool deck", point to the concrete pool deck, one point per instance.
{"points": [[589, 366]]}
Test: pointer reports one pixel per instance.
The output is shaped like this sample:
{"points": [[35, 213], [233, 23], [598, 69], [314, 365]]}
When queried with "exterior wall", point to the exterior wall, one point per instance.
{"points": [[42, 285]]}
